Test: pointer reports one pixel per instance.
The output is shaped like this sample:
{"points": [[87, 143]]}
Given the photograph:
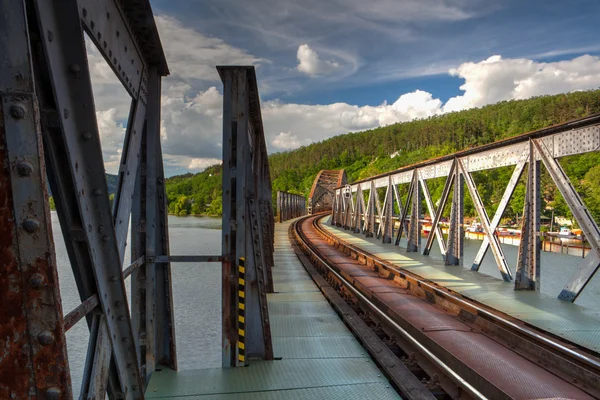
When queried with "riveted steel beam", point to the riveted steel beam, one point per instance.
{"points": [[454, 252], [435, 230], [107, 26], [402, 226], [75, 145], [508, 192], [414, 229], [589, 266], [246, 325], [33, 358], [527, 275], [485, 222]]}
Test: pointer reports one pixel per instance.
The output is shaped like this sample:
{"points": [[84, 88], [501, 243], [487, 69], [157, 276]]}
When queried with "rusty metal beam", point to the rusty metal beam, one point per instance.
{"points": [[33, 358]]}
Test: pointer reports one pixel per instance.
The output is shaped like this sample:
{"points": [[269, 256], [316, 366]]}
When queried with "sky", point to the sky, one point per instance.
{"points": [[329, 67]]}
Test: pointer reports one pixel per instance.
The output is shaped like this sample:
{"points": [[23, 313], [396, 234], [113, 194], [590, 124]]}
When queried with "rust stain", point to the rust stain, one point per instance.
{"points": [[14, 347]]}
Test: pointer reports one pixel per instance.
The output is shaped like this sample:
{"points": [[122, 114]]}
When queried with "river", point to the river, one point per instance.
{"points": [[197, 290]]}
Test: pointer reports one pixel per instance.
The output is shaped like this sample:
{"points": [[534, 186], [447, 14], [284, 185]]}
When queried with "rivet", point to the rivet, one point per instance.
{"points": [[31, 225], [129, 365], [96, 192], [105, 44], [53, 393], [17, 111], [75, 68], [84, 12], [66, 113], [134, 387], [117, 304], [45, 338], [86, 135], [124, 340], [24, 168], [118, 33], [36, 280], [92, 24], [99, 36], [50, 36], [125, 49], [113, 278], [105, 238]]}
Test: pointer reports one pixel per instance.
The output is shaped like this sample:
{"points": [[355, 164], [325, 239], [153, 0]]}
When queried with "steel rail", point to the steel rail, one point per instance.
{"points": [[582, 358], [461, 382]]}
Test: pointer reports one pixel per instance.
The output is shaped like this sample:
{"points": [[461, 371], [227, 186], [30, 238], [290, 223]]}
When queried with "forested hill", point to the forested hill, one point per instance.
{"points": [[367, 153]]}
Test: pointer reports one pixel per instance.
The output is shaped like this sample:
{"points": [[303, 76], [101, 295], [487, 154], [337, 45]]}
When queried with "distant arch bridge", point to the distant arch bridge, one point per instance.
{"points": [[323, 188]]}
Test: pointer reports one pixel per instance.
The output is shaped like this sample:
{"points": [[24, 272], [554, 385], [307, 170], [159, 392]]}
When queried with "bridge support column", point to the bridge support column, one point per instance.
{"points": [[388, 212], [247, 268], [527, 276], [370, 212], [33, 361], [414, 230], [454, 253], [359, 210]]}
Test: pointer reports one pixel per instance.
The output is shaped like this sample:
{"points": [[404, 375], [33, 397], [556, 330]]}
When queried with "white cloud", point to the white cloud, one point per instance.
{"points": [[199, 164], [191, 125], [112, 135], [192, 55], [497, 79], [286, 141], [311, 64]]}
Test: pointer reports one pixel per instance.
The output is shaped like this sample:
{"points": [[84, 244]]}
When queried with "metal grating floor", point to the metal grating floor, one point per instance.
{"points": [[320, 356], [570, 321]]}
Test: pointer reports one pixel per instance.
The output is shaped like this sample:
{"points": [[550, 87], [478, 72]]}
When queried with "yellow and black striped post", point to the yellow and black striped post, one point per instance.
{"points": [[241, 309]]}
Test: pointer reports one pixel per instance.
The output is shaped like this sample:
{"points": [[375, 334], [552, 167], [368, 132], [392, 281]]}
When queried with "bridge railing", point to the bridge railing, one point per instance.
{"points": [[48, 128], [526, 153], [290, 206]]}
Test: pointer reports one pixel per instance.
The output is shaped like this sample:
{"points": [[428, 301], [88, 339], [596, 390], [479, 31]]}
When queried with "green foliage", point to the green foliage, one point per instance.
{"points": [[364, 154]]}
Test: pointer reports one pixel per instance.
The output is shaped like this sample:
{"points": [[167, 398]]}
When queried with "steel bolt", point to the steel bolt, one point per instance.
{"points": [[113, 278], [124, 340], [96, 192], [24, 168], [17, 111], [53, 393], [45, 338], [31, 225], [86, 135], [75, 68], [117, 303], [36, 280], [121, 318], [50, 36], [66, 113], [105, 238]]}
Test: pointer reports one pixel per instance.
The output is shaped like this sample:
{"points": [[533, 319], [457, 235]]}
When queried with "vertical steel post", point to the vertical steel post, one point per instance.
{"points": [[527, 276], [33, 360], [414, 230], [388, 221], [454, 252], [371, 210]]}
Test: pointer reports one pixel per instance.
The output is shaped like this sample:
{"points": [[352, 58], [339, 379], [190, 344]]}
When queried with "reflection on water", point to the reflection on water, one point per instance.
{"points": [[197, 291]]}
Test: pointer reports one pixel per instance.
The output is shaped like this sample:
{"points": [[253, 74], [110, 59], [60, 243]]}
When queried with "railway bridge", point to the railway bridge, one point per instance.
{"points": [[345, 297]]}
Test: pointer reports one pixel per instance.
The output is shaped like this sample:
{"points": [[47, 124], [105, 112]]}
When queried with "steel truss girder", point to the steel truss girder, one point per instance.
{"points": [[527, 275], [437, 215], [575, 137], [32, 325], [246, 190], [107, 27], [454, 251], [95, 247], [589, 266], [414, 229], [436, 230], [506, 196], [485, 222]]}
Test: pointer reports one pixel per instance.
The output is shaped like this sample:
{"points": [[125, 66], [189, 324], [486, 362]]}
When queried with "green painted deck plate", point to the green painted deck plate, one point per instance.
{"points": [[321, 359]]}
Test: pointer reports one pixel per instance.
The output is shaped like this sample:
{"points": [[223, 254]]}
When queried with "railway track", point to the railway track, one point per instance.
{"points": [[433, 343]]}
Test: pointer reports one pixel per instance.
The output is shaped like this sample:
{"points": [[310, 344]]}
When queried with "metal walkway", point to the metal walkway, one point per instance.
{"points": [[320, 358], [567, 320]]}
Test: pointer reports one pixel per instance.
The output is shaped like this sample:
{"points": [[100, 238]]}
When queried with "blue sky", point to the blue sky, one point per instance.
{"points": [[327, 67]]}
